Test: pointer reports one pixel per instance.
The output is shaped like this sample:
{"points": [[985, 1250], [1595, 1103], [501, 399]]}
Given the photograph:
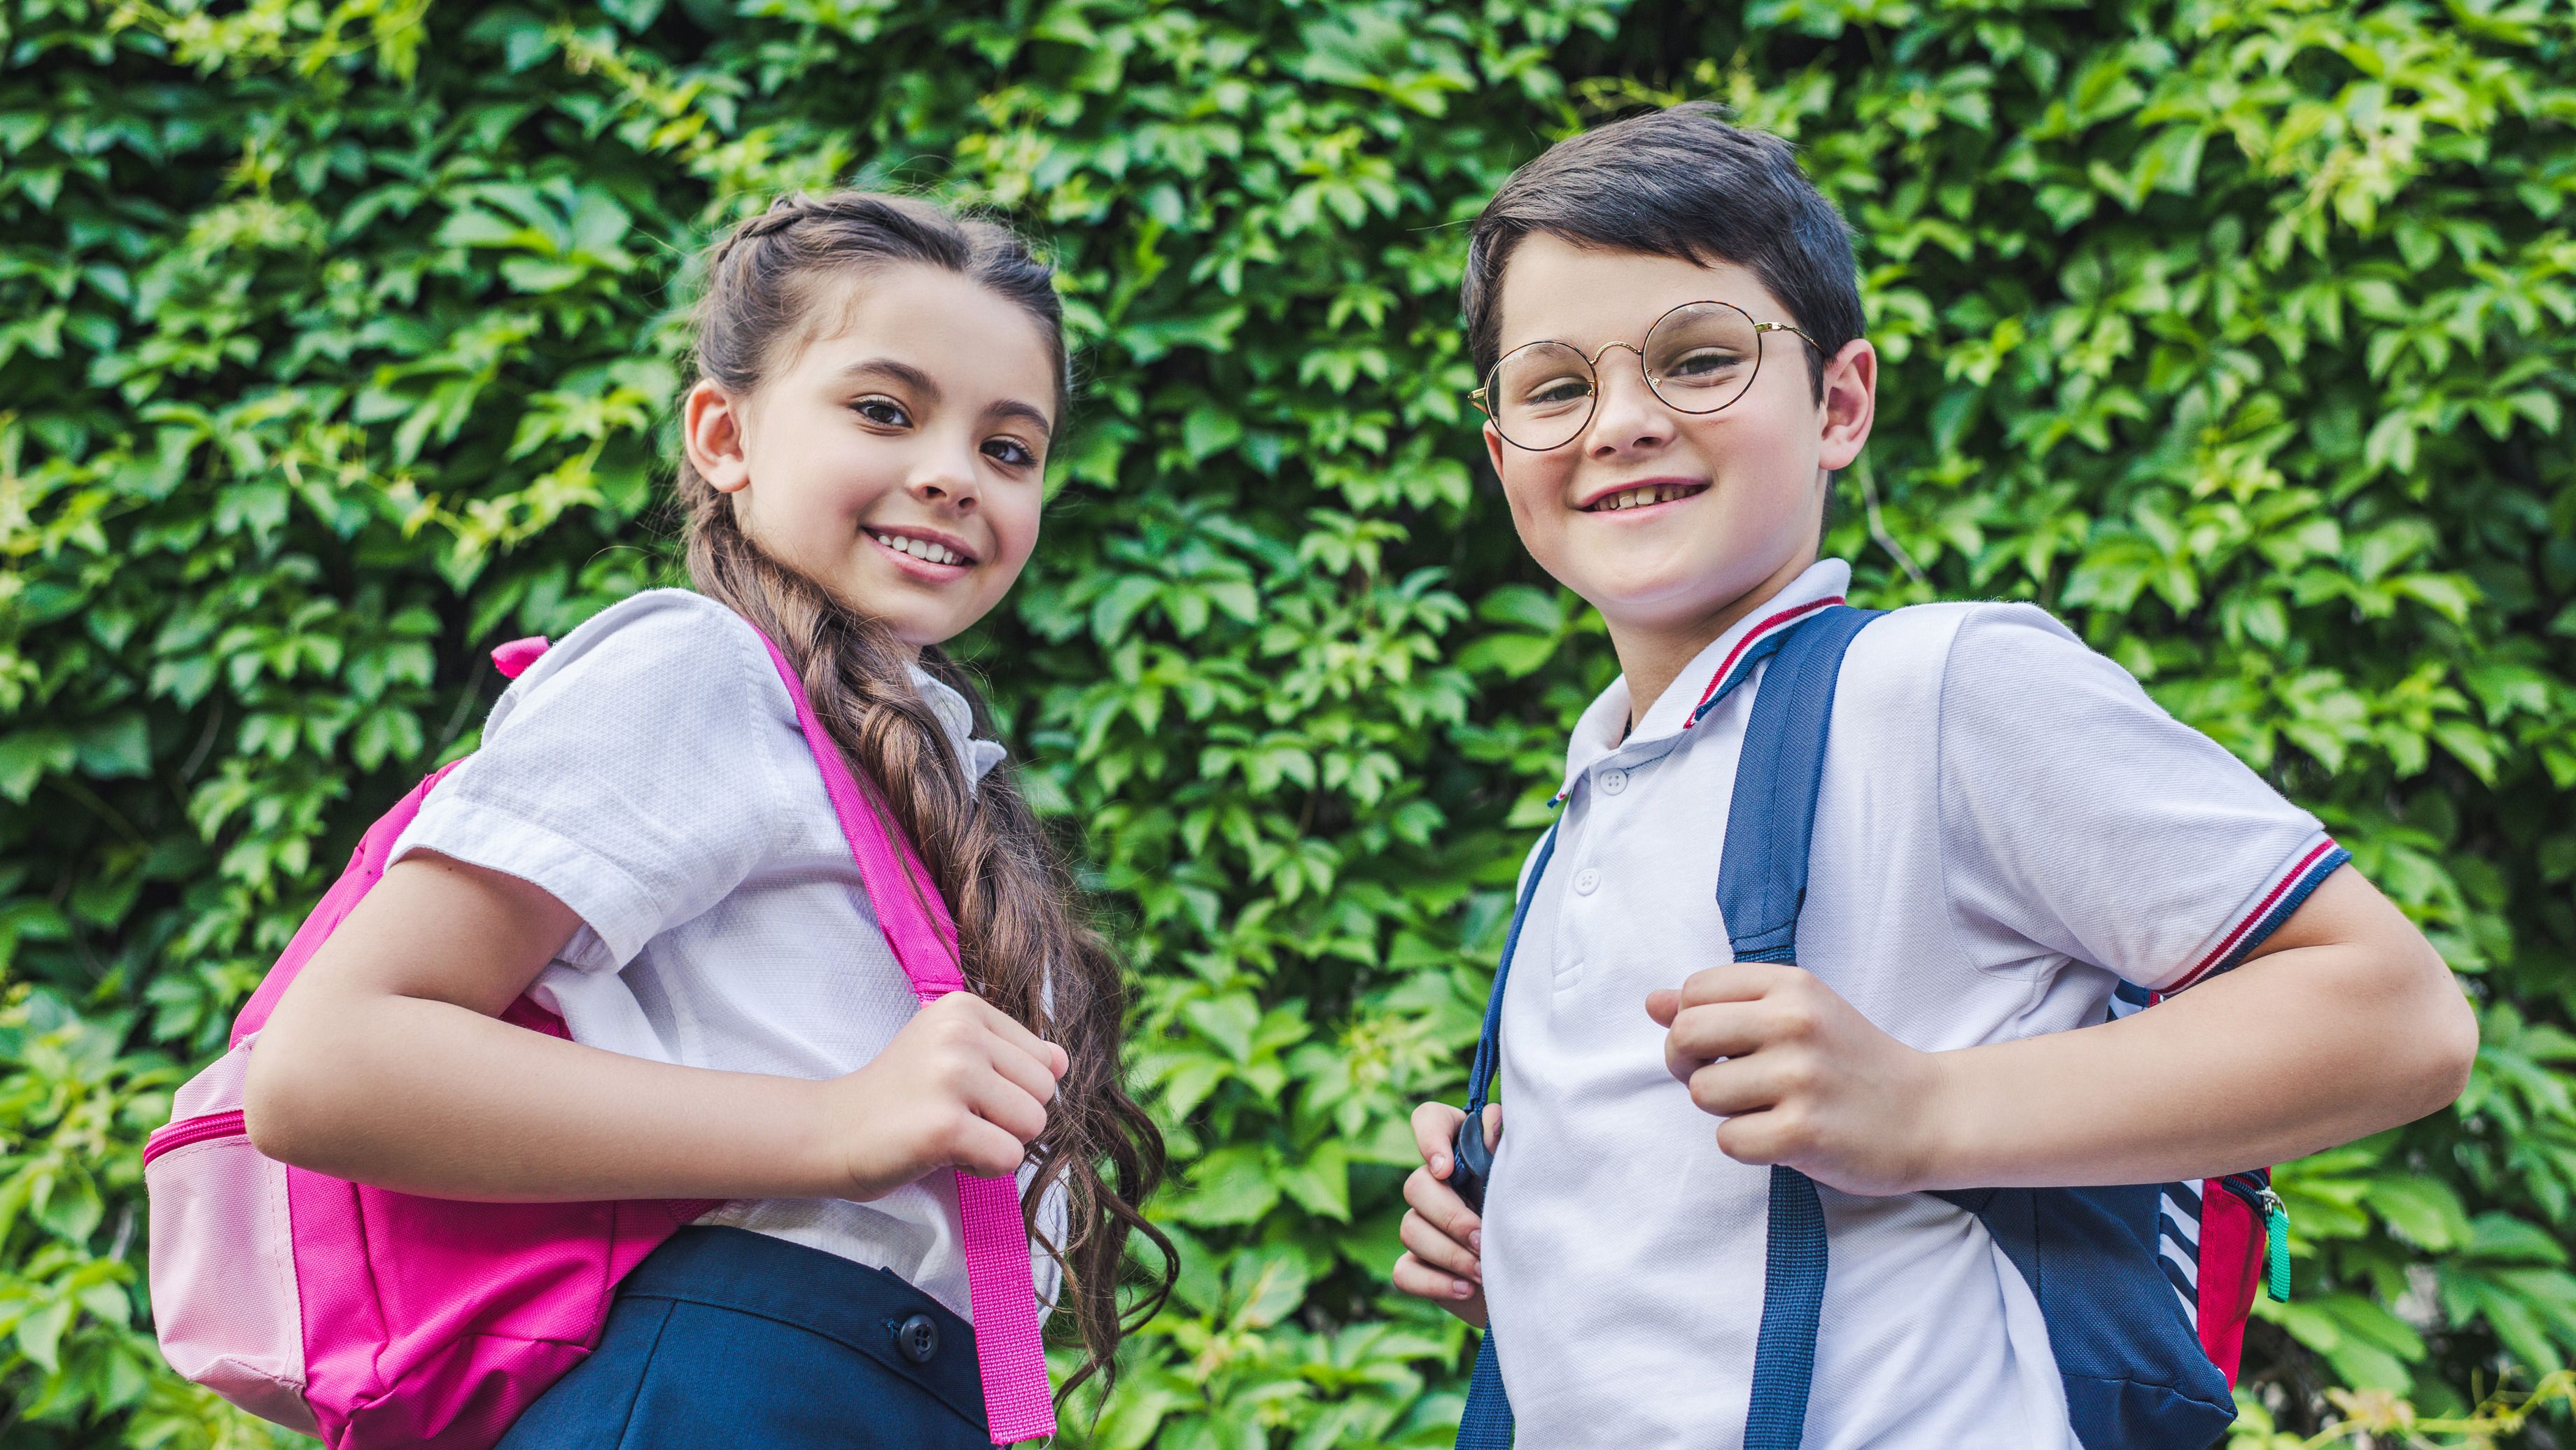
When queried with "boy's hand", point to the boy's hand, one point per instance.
{"points": [[1801, 1077], [1443, 1238]]}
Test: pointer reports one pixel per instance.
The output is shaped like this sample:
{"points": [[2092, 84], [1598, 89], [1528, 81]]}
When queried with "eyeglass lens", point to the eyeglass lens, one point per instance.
{"points": [[1698, 359]]}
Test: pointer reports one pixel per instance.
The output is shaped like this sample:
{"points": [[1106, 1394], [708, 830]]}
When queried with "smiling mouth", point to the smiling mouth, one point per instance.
{"points": [[926, 550], [1637, 498]]}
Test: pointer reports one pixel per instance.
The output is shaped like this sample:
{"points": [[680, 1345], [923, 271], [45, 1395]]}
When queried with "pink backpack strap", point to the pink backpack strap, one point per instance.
{"points": [[917, 924]]}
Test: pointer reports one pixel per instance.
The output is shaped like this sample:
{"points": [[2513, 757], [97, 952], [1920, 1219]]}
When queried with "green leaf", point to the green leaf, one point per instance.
{"points": [[27, 755]]}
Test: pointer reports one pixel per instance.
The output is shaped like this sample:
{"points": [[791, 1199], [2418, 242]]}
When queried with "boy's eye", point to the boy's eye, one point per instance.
{"points": [[1557, 393], [1706, 364], [884, 412], [1009, 451]]}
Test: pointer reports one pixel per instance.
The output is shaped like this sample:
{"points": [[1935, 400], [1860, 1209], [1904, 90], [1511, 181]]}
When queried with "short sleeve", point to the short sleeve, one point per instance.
{"points": [[633, 772], [2079, 819]]}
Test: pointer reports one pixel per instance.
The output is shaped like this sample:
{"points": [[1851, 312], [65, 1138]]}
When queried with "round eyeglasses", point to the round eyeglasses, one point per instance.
{"points": [[1699, 357]]}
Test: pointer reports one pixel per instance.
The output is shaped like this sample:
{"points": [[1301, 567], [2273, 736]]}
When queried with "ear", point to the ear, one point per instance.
{"points": [[1494, 449], [711, 430], [1849, 406]]}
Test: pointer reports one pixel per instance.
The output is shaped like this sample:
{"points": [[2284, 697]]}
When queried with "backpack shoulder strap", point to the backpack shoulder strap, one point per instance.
{"points": [[909, 907], [1761, 886], [1762, 877], [1000, 1283]]}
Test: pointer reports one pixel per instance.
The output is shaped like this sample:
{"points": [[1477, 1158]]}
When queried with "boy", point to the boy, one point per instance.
{"points": [[2008, 827]]}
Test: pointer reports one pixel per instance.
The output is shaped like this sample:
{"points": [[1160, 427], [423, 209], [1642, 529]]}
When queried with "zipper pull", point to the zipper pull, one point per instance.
{"points": [[2276, 1246]]}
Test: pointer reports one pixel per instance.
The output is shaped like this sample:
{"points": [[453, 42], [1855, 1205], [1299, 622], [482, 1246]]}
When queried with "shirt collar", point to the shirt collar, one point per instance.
{"points": [[1603, 727], [957, 722]]}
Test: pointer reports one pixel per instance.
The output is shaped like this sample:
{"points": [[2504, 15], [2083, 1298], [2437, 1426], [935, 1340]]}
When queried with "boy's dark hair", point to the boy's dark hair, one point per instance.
{"points": [[1680, 183]]}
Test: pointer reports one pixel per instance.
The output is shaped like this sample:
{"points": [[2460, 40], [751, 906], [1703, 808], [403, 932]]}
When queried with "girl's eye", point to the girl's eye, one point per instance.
{"points": [[884, 412], [1008, 451]]}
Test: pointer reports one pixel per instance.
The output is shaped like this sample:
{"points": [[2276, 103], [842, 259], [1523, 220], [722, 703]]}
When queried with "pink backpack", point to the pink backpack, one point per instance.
{"points": [[378, 1319]]}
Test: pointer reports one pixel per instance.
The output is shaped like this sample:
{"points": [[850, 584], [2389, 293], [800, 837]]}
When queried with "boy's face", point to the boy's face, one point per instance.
{"points": [[1743, 488]]}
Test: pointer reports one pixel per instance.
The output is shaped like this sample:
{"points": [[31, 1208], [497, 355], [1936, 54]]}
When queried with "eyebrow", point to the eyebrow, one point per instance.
{"points": [[921, 382]]}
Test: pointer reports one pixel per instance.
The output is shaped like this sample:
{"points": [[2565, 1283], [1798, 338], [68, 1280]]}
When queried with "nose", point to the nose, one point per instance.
{"points": [[945, 479], [1627, 417]]}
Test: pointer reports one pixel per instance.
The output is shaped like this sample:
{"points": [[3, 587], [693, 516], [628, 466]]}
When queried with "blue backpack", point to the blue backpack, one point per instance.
{"points": [[2145, 1288]]}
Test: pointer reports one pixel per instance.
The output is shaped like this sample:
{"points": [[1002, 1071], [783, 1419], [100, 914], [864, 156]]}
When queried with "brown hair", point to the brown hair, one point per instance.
{"points": [[1026, 947], [1680, 182]]}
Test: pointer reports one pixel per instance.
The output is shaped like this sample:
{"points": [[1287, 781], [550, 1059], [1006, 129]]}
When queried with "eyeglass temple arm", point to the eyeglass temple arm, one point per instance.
{"points": [[1789, 327]]}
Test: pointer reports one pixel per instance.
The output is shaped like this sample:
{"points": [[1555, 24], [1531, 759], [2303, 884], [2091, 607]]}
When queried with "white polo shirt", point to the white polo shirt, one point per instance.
{"points": [[2007, 828]]}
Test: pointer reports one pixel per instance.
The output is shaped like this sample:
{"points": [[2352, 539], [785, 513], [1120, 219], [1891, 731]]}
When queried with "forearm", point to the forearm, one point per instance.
{"points": [[433, 1098], [2302, 1049]]}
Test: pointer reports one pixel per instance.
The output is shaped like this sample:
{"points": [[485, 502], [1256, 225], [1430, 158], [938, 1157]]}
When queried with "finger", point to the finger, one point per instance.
{"points": [[1702, 1035], [1027, 1073], [1746, 1085], [984, 1148], [1662, 1003], [1003, 1025], [1006, 1105], [1435, 1128], [1422, 1281], [1440, 1204], [1493, 1125], [1735, 982], [1779, 1135], [1439, 1250]]}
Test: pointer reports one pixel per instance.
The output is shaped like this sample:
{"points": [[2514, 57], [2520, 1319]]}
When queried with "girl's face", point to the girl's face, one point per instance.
{"points": [[898, 458]]}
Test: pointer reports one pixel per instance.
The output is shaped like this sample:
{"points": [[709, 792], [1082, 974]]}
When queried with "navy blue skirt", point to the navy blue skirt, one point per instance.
{"points": [[729, 1338]]}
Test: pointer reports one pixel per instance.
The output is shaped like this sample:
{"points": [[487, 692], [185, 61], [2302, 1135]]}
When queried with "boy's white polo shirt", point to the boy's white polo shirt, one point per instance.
{"points": [[2007, 828]]}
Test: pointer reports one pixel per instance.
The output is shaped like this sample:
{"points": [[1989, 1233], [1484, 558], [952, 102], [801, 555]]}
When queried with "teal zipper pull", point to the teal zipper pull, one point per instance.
{"points": [[2276, 1251]]}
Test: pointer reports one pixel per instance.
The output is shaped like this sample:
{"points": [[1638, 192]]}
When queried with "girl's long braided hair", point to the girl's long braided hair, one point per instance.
{"points": [[1026, 947]]}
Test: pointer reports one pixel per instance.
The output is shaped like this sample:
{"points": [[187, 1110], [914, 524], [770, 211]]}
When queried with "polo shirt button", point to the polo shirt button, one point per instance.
{"points": [[1613, 781], [918, 1338], [1586, 881]]}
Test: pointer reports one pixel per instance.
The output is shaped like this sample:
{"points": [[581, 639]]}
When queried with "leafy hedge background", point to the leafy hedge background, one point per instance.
{"points": [[336, 340]]}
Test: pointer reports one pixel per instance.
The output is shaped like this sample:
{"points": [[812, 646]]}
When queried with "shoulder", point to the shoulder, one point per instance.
{"points": [[1909, 659], [662, 650]]}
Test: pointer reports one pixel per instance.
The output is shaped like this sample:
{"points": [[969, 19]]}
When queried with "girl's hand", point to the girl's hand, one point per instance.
{"points": [[961, 1086], [1444, 1240], [1801, 1077]]}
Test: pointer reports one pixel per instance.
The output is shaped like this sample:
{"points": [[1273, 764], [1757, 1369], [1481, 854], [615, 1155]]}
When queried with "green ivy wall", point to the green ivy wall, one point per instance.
{"points": [[335, 345]]}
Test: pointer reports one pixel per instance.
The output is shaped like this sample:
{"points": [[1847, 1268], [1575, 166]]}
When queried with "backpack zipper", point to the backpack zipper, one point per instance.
{"points": [[2276, 1246], [2255, 1188], [178, 1135]]}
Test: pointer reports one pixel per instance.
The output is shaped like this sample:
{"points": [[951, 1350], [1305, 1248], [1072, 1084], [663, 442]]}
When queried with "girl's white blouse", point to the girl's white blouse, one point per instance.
{"points": [[648, 772]]}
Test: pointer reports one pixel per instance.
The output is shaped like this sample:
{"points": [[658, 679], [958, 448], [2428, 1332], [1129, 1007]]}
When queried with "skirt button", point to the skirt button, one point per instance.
{"points": [[918, 1338]]}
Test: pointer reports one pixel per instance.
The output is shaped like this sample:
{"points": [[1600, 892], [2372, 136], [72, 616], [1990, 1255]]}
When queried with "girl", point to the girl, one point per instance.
{"points": [[644, 840]]}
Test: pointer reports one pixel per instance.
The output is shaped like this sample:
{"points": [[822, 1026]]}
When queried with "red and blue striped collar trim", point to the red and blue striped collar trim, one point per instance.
{"points": [[2276, 907], [1734, 668], [1731, 673]]}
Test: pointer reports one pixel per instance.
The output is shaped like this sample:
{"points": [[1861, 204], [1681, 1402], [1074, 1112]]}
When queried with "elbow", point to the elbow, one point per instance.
{"points": [[2460, 1056], [276, 1116], [2445, 1037]]}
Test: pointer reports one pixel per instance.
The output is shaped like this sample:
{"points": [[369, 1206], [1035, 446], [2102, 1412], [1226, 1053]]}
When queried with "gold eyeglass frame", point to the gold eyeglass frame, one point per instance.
{"points": [[1482, 395]]}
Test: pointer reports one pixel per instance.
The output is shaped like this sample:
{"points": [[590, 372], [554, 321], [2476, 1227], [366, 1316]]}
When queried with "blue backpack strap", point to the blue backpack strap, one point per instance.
{"points": [[1473, 1162], [1761, 882], [1761, 885], [1486, 1424]]}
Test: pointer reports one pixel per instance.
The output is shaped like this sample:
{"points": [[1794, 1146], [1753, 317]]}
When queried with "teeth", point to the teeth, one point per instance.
{"points": [[918, 548], [1640, 497]]}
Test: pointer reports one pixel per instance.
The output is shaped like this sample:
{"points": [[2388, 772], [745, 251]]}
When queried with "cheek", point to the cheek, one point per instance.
{"points": [[1533, 487], [1013, 516]]}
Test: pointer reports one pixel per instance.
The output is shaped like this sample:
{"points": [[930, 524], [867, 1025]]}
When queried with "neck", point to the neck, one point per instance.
{"points": [[1651, 655]]}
